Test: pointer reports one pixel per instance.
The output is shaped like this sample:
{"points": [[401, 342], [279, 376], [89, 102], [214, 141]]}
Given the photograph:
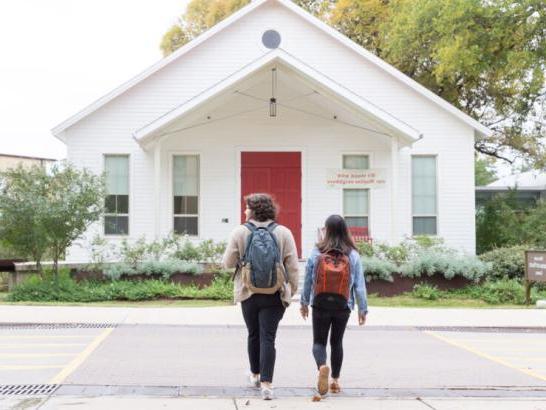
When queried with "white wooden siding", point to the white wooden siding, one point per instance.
{"points": [[109, 130]]}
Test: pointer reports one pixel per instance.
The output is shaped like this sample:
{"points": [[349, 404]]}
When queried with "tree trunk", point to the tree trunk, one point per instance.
{"points": [[56, 265], [39, 267]]}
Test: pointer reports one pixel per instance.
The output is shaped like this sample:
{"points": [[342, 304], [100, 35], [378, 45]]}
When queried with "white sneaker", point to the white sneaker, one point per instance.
{"points": [[267, 393], [254, 380]]}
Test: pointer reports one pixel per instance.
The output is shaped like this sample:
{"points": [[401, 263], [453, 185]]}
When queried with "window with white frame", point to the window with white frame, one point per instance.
{"points": [[356, 201], [424, 195], [186, 194], [116, 216]]}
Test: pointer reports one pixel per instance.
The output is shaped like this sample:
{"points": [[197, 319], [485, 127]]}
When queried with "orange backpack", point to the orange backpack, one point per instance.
{"points": [[332, 278]]}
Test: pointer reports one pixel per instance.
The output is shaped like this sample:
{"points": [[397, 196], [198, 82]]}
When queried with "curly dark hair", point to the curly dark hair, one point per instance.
{"points": [[262, 207]]}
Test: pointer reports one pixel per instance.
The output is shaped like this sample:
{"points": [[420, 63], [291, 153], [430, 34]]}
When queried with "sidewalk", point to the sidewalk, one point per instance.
{"points": [[147, 403], [231, 316]]}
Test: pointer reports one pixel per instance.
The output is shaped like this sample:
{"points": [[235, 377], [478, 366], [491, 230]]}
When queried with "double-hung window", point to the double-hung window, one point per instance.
{"points": [[356, 201], [116, 217], [186, 194], [424, 195]]}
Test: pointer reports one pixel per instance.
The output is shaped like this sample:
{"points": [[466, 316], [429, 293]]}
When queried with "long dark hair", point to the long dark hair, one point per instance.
{"points": [[337, 236]]}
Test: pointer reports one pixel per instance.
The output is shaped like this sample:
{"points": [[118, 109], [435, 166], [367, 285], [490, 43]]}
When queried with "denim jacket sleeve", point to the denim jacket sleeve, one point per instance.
{"points": [[359, 284], [308, 281]]}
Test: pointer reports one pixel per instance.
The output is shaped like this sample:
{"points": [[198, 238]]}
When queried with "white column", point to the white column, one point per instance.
{"points": [[394, 190], [157, 188]]}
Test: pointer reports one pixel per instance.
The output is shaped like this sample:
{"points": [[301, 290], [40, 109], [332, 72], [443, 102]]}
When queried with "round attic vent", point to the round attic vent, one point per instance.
{"points": [[271, 39]]}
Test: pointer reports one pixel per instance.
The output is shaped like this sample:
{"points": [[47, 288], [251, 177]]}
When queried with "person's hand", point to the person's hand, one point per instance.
{"points": [[361, 318], [304, 311]]}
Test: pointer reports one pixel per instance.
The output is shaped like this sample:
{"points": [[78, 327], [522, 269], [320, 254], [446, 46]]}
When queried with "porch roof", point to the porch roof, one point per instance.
{"points": [[389, 123]]}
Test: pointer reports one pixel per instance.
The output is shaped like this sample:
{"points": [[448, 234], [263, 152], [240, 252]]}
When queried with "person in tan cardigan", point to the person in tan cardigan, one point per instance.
{"points": [[262, 312]]}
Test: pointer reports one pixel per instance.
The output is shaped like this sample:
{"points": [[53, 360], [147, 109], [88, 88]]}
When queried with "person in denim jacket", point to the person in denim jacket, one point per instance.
{"points": [[336, 237]]}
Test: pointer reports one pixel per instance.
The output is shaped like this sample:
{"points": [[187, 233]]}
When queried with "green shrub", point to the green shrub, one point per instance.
{"points": [[165, 268], [506, 262], [44, 289], [186, 251], [375, 268], [496, 291], [397, 255], [133, 253], [427, 242], [364, 248], [425, 291], [503, 221], [449, 264], [211, 252], [3, 281]]}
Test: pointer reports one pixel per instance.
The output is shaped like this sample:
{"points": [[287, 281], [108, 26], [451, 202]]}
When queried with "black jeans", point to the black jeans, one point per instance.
{"points": [[262, 314], [323, 320]]}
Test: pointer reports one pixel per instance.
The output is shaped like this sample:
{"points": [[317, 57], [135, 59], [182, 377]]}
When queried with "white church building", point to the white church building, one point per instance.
{"points": [[271, 99]]}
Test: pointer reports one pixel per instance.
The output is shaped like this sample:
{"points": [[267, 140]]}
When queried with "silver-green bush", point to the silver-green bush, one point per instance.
{"points": [[449, 264], [165, 268], [376, 268]]}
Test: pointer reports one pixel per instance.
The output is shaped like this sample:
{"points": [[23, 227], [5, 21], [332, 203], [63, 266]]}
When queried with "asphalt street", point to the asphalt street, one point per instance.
{"points": [[211, 360]]}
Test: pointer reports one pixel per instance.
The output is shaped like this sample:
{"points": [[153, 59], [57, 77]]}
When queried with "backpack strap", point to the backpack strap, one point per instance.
{"points": [[271, 227], [250, 226]]}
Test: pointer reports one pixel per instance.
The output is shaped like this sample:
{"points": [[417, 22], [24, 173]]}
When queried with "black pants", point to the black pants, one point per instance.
{"points": [[323, 320], [262, 314]]}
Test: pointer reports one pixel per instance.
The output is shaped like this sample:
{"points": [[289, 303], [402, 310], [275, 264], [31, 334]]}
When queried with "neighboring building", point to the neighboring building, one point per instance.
{"points": [[528, 188], [272, 99], [11, 161]]}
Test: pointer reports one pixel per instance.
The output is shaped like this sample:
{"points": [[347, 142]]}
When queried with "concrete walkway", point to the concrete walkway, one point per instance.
{"points": [[231, 316], [147, 403]]}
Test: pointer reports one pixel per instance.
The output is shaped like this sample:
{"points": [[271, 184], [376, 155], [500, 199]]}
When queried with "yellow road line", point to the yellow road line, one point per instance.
{"points": [[518, 348], [25, 345], [24, 355], [45, 337], [31, 367], [519, 341], [486, 356], [534, 359], [73, 365]]}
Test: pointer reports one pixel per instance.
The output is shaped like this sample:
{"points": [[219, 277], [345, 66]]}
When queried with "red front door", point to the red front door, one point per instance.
{"points": [[278, 174]]}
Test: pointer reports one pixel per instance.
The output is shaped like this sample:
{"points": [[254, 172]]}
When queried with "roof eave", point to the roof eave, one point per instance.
{"points": [[480, 128], [157, 66]]}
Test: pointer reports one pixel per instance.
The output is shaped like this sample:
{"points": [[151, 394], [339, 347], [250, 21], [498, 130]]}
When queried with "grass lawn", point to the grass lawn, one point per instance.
{"points": [[125, 303], [410, 301], [373, 300]]}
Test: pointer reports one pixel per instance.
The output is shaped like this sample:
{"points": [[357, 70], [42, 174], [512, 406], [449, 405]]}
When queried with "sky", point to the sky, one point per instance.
{"points": [[58, 56]]}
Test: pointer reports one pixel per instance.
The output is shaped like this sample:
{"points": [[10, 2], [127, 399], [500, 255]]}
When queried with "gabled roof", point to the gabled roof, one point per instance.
{"points": [[388, 121], [480, 128]]}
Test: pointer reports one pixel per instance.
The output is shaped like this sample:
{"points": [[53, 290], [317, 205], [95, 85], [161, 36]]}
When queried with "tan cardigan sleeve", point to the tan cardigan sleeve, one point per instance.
{"points": [[290, 259], [233, 253]]}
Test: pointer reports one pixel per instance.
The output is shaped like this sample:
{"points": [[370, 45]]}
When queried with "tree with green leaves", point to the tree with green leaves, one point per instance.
{"points": [[22, 202], [485, 57], [200, 15], [47, 210], [484, 172], [488, 58]]}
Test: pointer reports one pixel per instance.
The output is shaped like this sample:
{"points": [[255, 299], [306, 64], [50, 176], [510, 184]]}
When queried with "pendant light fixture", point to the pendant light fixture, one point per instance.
{"points": [[273, 99]]}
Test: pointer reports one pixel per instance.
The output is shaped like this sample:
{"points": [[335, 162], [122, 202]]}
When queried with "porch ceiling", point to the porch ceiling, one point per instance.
{"points": [[297, 93]]}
